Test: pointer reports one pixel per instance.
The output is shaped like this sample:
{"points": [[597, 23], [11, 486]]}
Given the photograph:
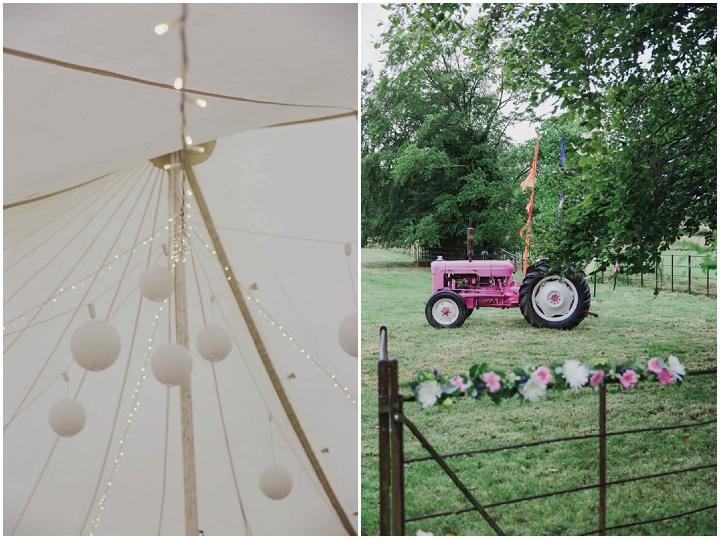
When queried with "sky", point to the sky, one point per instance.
{"points": [[370, 15]]}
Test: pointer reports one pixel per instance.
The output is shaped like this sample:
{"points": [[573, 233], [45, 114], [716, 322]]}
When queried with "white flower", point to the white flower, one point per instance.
{"points": [[420, 532], [428, 393], [532, 390], [677, 368], [575, 373], [512, 377]]}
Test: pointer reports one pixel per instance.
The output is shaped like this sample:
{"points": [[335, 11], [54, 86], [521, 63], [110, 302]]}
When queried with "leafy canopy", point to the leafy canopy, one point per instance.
{"points": [[432, 132], [639, 80]]}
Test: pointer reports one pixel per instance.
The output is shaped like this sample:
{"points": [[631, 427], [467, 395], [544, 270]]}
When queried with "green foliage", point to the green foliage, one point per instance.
{"points": [[634, 90], [641, 78], [432, 134]]}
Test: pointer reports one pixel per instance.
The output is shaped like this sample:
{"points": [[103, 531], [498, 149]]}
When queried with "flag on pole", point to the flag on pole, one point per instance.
{"points": [[529, 182]]}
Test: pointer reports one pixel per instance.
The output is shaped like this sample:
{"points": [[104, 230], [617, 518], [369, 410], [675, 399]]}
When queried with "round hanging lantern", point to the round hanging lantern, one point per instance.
{"points": [[347, 335], [214, 343], [156, 283], [95, 345], [171, 364], [275, 482], [67, 417]]}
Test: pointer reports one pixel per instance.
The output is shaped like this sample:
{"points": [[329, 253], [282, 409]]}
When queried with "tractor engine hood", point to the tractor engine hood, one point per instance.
{"points": [[487, 268]]}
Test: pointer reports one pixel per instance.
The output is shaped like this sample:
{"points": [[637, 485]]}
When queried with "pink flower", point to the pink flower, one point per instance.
{"points": [[628, 379], [654, 366], [597, 378], [459, 382], [543, 375], [492, 381], [665, 377]]}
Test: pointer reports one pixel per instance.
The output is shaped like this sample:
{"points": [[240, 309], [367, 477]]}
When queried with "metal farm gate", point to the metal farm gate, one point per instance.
{"points": [[392, 421]]}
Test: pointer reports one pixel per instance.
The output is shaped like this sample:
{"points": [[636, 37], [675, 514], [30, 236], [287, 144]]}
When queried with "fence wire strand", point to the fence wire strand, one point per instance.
{"points": [[651, 521], [566, 439], [562, 492], [574, 489]]}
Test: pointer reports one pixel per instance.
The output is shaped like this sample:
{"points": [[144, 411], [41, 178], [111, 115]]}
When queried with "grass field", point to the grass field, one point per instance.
{"points": [[632, 323]]}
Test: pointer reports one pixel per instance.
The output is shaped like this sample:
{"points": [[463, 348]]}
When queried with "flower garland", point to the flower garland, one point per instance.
{"points": [[531, 383]]}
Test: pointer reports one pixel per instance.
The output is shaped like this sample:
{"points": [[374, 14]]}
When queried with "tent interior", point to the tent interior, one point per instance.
{"points": [[263, 225]]}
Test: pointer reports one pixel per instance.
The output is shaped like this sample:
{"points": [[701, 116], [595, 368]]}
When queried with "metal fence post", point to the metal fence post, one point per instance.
{"points": [[384, 435], [689, 274], [707, 282], [672, 273], [397, 465], [602, 495]]}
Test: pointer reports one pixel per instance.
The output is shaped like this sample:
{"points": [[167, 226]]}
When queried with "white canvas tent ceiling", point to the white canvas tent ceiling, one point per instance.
{"points": [[77, 125], [284, 200]]}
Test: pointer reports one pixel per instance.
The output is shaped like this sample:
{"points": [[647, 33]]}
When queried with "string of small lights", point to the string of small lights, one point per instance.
{"points": [[135, 404], [82, 282], [273, 323]]}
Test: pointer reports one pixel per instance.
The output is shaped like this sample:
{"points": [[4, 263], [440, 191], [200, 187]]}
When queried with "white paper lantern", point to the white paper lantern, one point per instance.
{"points": [[171, 364], [214, 343], [95, 345], [156, 283], [67, 417], [275, 482], [347, 335]]}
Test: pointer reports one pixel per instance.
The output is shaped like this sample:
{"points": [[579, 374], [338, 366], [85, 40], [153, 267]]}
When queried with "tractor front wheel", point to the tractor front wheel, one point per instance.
{"points": [[548, 300], [446, 309]]}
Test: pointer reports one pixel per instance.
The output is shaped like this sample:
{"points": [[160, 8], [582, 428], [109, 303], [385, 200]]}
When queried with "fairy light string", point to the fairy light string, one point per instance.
{"points": [[126, 372], [181, 242], [300, 461], [275, 325], [134, 406], [83, 281]]}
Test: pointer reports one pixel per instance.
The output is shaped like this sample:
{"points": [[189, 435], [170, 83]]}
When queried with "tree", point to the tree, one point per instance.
{"points": [[642, 79], [432, 133]]}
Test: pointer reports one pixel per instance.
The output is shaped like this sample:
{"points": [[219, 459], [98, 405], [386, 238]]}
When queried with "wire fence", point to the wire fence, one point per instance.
{"points": [[675, 273], [394, 466]]}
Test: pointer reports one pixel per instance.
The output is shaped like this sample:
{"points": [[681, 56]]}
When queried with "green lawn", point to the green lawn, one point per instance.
{"points": [[632, 323]]}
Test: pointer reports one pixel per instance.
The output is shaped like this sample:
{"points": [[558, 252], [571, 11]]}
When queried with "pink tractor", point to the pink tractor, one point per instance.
{"points": [[546, 299]]}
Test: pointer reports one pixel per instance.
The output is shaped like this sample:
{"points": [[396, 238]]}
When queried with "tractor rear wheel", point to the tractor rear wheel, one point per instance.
{"points": [[549, 300], [446, 309]]}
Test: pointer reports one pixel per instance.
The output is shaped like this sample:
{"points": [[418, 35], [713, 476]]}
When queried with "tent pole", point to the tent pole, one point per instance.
{"points": [[181, 336], [263, 353]]}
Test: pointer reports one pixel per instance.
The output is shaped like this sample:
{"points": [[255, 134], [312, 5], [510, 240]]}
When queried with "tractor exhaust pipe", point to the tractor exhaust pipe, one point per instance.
{"points": [[470, 241]]}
